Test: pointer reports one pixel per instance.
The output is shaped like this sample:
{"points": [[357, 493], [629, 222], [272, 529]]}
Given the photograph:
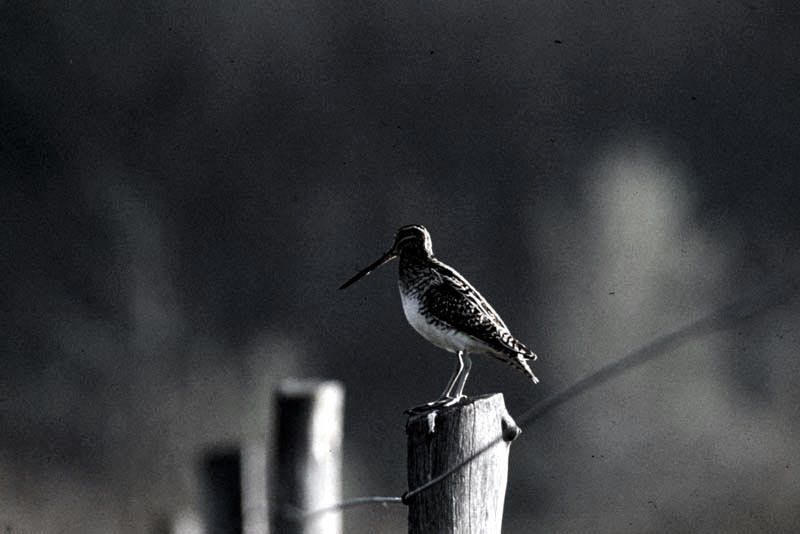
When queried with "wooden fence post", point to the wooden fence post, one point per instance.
{"points": [[471, 498], [255, 514], [223, 491], [308, 457]]}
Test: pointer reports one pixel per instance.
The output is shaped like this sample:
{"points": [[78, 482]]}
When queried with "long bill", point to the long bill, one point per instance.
{"points": [[389, 256]]}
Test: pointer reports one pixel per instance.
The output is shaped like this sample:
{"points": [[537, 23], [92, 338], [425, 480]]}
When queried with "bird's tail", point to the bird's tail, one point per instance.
{"points": [[515, 345], [520, 361], [516, 354]]}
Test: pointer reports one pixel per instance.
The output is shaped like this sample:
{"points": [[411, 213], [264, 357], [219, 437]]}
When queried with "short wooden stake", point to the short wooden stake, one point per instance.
{"points": [[471, 498], [223, 491]]}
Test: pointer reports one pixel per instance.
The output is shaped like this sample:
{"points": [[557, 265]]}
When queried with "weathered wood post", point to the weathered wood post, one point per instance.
{"points": [[309, 456], [470, 499]]}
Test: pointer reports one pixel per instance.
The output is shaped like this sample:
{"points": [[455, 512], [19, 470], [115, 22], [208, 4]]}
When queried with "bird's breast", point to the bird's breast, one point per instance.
{"points": [[436, 332]]}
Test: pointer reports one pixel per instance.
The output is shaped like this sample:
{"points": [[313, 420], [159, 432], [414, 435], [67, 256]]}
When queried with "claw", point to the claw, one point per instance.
{"points": [[443, 402]]}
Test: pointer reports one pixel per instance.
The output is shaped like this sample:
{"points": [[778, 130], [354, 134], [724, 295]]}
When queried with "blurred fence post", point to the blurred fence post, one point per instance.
{"points": [[222, 476], [471, 498], [184, 522], [255, 518], [234, 492], [308, 456]]}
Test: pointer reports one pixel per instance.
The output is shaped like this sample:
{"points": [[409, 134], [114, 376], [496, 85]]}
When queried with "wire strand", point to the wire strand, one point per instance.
{"points": [[298, 514], [773, 295]]}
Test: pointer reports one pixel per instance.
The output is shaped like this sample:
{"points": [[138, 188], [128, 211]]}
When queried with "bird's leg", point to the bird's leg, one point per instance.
{"points": [[447, 393], [462, 377], [456, 383]]}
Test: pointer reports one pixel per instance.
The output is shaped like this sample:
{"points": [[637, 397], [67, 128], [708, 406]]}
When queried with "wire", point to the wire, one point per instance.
{"points": [[297, 514], [771, 296]]}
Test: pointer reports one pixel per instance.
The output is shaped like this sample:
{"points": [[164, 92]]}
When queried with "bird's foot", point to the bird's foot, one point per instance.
{"points": [[443, 402]]}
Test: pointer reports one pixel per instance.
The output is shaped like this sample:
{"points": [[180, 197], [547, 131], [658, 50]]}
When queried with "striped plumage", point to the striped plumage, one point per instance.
{"points": [[447, 311]]}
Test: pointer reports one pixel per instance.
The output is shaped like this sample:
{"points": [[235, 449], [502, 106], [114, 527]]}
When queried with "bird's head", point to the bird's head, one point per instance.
{"points": [[412, 240]]}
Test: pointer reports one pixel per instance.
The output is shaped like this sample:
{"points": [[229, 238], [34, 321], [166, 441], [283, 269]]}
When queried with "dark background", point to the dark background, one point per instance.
{"points": [[185, 185]]}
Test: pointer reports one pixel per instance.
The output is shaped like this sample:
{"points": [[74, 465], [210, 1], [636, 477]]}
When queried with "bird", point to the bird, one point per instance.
{"points": [[445, 309]]}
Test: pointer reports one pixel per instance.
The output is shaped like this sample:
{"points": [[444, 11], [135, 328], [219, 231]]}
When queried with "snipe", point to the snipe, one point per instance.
{"points": [[447, 311]]}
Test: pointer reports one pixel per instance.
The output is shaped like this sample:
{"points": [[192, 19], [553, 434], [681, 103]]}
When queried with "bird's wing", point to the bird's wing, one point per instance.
{"points": [[459, 305]]}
